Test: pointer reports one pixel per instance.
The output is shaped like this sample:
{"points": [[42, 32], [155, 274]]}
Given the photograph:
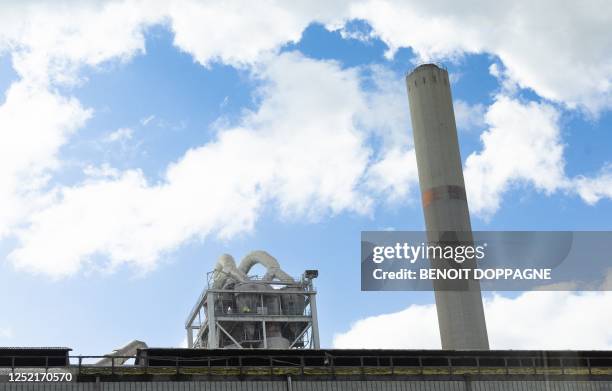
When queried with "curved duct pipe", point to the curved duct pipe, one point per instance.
{"points": [[224, 269], [266, 260], [128, 350]]}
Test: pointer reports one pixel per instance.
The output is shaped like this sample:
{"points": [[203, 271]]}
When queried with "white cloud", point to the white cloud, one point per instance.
{"points": [[532, 320], [103, 171], [34, 124], [415, 327], [469, 117], [593, 189], [50, 41], [267, 25], [387, 114], [568, 62], [304, 148], [301, 149], [145, 121], [121, 135], [508, 85], [522, 146], [395, 175], [563, 57]]}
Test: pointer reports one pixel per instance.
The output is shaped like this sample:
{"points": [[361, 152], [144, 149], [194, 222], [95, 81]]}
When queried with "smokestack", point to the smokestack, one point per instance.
{"points": [[460, 312]]}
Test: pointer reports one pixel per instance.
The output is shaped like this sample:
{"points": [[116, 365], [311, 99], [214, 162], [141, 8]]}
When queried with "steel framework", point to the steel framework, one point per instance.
{"points": [[261, 314]]}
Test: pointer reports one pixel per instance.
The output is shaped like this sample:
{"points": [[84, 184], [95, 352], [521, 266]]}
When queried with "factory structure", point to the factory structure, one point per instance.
{"points": [[238, 311], [276, 311], [248, 332]]}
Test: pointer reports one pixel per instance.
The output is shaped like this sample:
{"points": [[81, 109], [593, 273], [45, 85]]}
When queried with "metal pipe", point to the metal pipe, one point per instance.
{"points": [[226, 268], [268, 261], [121, 355]]}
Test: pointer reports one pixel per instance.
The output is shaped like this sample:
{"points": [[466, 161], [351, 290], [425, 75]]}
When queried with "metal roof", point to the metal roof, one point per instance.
{"points": [[35, 348], [34, 356]]}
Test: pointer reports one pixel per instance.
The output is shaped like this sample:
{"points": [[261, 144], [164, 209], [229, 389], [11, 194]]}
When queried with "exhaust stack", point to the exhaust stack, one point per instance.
{"points": [[460, 312]]}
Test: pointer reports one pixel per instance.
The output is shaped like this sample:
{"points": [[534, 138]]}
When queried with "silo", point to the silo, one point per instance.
{"points": [[460, 309]]}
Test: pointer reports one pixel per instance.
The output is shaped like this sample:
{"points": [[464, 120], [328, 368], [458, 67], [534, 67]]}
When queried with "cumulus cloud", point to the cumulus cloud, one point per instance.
{"points": [[522, 145], [592, 189], [34, 124], [305, 147], [416, 327], [49, 41], [246, 33], [118, 215], [469, 116], [532, 320], [302, 149], [563, 57], [568, 62], [387, 114], [395, 175]]}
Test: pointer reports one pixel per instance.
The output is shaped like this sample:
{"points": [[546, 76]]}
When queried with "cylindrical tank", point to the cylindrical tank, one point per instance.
{"points": [[272, 303], [293, 304], [249, 302], [460, 312], [274, 337], [277, 343]]}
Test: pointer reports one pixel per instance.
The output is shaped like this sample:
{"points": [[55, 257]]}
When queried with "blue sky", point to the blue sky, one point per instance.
{"points": [[134, 164]]}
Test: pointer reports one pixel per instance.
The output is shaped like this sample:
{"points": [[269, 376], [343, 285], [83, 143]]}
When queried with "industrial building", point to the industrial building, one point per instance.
{"points": [[236, 311], [251, 317], [316, 369], [249, 332]]}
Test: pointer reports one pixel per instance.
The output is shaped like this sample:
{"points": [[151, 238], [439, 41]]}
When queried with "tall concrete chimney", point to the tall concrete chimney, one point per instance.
{"points": [[460, 311]]}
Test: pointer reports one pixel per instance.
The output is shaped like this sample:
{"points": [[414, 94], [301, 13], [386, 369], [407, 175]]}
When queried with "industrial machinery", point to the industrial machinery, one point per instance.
{"points": [[447, 218], [237, 311]]}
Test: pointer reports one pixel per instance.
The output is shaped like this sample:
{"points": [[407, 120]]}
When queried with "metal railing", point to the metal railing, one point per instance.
{"points": [[333, 365], [438, 64]]}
